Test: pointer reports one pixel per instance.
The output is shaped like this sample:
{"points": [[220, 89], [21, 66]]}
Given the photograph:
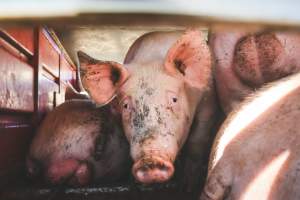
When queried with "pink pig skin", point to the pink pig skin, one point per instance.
{"points": [[166, 98]]}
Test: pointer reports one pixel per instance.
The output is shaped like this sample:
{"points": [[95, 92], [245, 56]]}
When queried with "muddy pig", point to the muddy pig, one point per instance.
{"points": [[245, 61], [78, 143], [256, 153], [166, 99]]}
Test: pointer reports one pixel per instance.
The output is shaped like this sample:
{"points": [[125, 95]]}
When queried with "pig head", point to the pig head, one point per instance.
{"points": [[163, 85]]}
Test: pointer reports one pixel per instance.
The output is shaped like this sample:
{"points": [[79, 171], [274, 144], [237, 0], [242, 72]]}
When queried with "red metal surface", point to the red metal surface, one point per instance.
{"points": [[16, 132], [23, 74], [23, 36], [47, 101], [49, 56], [117, 191], [66, 71], [16, 83]]}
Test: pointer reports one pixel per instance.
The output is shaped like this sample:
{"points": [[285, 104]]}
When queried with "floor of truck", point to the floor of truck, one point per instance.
{"points": [[23, 189]]}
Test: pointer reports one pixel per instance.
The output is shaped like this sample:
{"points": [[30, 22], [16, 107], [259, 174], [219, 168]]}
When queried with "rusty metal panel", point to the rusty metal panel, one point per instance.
{"points": [[116, 191], [14, 143], [23, 36], [16, 83], [66, 70], [47, 89], [16, 133], [49, 54]]}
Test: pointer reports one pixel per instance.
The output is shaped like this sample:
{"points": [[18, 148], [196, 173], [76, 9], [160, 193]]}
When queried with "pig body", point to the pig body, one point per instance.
{"points": [[166, 99], [78, 143], [245, 61], [256, 153]]}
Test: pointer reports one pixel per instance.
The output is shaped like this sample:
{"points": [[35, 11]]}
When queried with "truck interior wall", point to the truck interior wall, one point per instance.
{"points": [[34, 72]]}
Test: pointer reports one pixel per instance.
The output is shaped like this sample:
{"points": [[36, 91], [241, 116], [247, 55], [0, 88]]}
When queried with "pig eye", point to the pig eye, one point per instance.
{"points": [[126, 107], [172, 98], [126, 104]]}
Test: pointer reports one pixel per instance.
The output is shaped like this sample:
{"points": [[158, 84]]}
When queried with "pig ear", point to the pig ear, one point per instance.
{"points": [[101, 79], [190, 57]]}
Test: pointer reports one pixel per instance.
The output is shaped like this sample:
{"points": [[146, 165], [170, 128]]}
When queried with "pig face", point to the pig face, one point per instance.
{"points": [[156, 116], [156, 98]]}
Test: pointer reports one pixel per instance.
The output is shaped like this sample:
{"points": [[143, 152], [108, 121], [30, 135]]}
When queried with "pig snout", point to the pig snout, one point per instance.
{"points": [[69, 171], [153, 169], [153, 160]]}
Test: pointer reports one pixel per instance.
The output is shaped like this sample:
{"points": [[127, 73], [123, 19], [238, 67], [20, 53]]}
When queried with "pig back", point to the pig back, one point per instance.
{"points": [[256, 152], [69, 130], [151, 46]]}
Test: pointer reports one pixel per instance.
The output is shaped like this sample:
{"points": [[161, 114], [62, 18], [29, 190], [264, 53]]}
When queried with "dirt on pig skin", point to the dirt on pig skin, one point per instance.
{"points": [[78, 143], [247, 60]]}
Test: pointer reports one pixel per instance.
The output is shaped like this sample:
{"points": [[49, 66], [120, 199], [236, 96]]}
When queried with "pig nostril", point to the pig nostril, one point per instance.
{"points": [[155, 170], [140, 173], [163, 168]]}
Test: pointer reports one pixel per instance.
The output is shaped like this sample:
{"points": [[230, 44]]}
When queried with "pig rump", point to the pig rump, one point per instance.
{"points": [[78, 143]]}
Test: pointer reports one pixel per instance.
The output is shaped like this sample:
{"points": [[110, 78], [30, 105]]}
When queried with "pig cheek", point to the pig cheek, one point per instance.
{"points": [[180, 124], [185, 131], [127, 125], [174, 109]]}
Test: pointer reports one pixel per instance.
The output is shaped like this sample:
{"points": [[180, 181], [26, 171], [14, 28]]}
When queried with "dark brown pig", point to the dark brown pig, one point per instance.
{"points": [[166, 99], [256, 154], [245, 61], [78, 143]]}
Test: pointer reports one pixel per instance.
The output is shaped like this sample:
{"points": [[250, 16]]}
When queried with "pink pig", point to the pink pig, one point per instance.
{"points": [[166, 99], [256, 152]]}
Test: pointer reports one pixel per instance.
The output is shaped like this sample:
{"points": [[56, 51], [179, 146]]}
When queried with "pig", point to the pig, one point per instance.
{"points": [[246, 60], [166, 98], [256, 153], [78, 143]]}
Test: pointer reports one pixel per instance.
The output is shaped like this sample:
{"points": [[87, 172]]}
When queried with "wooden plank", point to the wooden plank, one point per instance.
{"points": [[16, 83]]}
